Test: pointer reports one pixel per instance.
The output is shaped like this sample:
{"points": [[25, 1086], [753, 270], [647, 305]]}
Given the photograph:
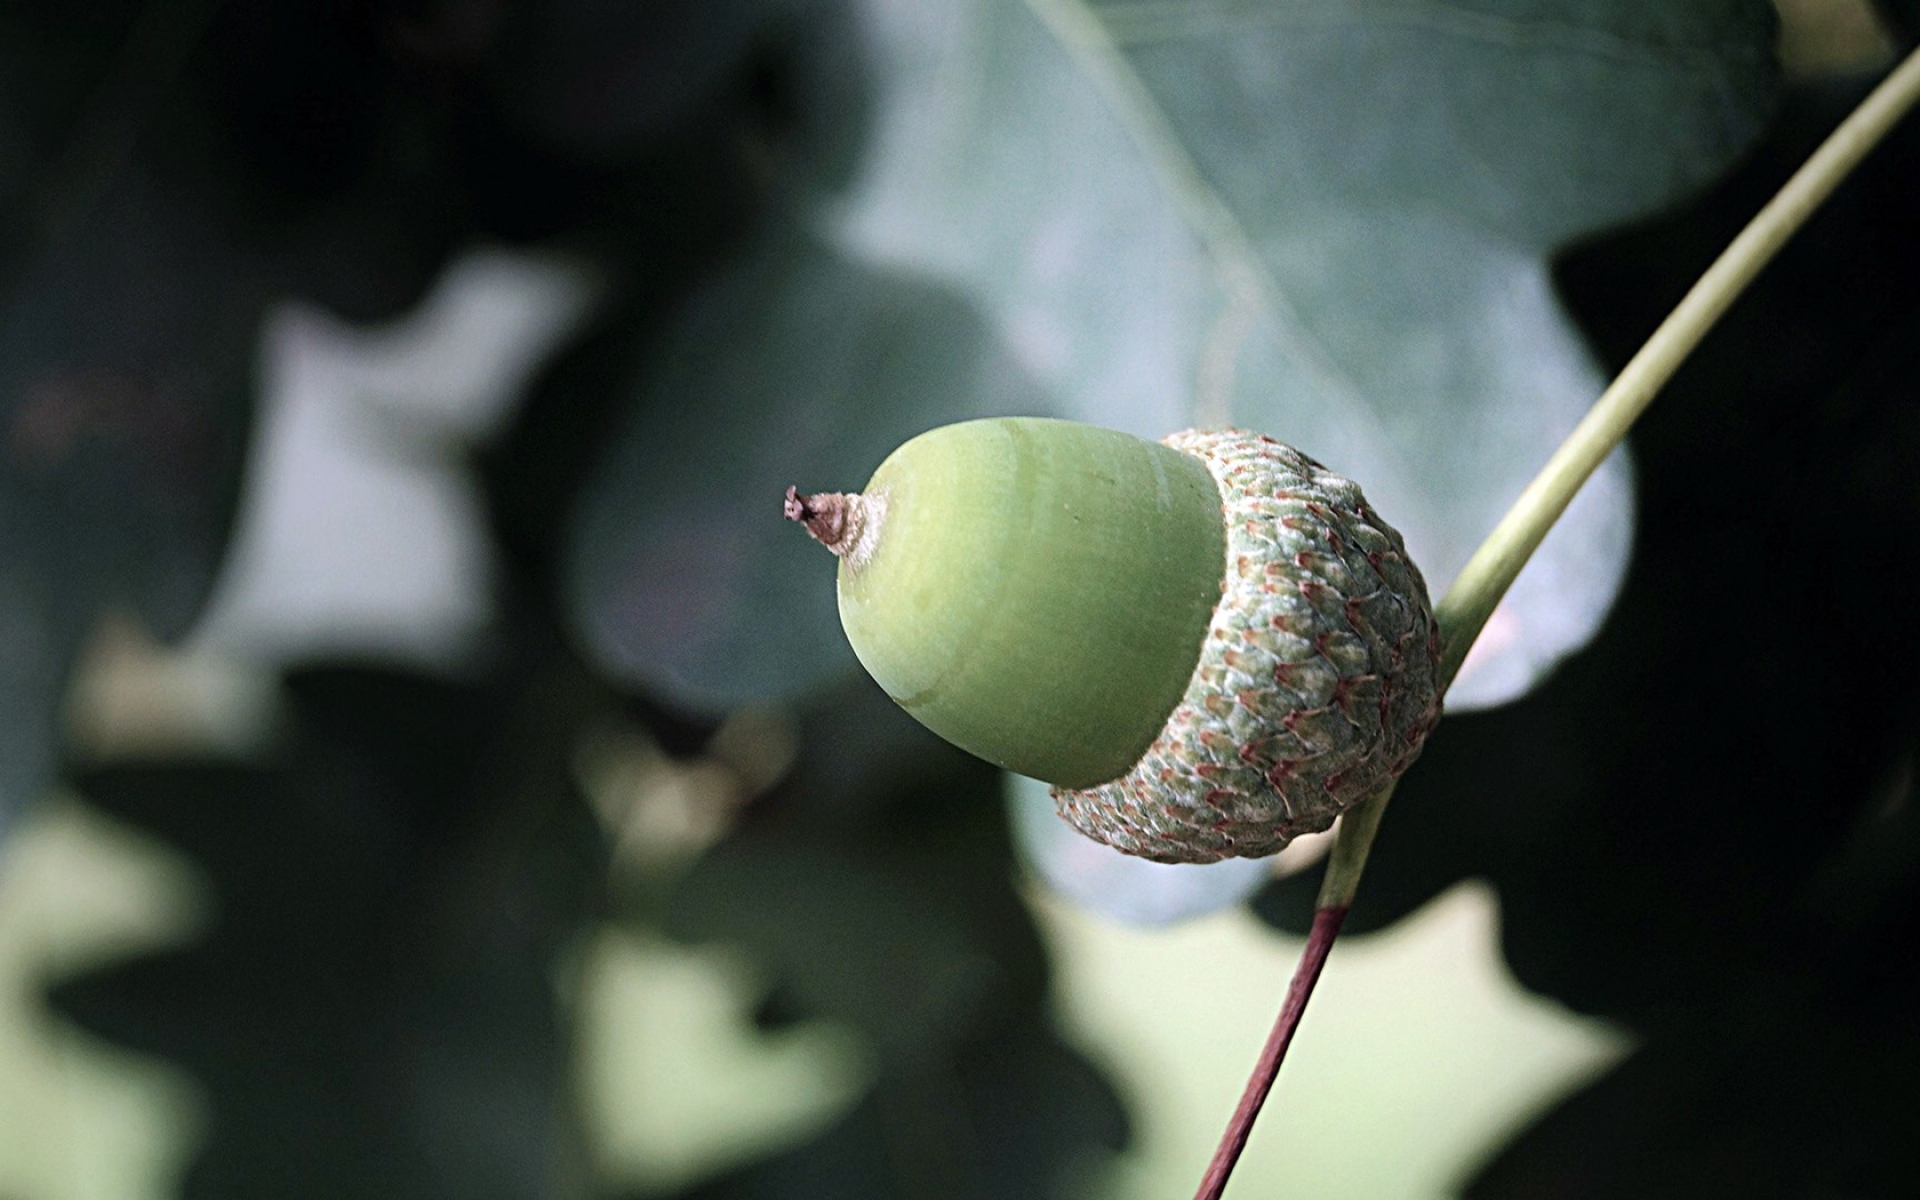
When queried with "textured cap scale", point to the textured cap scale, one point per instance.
{"points": [[1316, 684]]}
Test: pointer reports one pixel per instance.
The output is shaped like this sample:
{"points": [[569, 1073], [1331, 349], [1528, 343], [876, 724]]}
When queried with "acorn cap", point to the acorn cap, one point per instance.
{"points": [[1317, 682]]}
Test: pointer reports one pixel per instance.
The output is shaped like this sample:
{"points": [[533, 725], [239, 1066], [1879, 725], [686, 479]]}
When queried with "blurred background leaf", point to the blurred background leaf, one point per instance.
{"points": [[1724, 861], [389, 897], [1327, 221], [883, 902], [793, 365], [164, 181]]}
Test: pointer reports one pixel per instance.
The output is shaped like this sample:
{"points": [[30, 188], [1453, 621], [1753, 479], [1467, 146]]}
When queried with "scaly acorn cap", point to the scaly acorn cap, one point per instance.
{"points": [[1208, 646]]}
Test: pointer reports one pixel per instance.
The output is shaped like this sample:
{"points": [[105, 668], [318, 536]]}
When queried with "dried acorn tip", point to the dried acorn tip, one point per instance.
{"points": [[1208, 645], [826, 515], [843, 522]]}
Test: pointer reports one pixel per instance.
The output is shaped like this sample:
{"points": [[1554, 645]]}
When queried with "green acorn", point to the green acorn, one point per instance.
{"points": [[1209, 646]]}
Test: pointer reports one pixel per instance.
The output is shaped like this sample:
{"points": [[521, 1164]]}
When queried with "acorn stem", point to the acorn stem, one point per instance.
{"points": [[1468, 604], [1326, 927], [1351, 843]]}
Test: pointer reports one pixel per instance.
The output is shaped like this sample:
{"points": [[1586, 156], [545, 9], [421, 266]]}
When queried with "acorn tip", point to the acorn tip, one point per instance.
{"points": [[831, 518]]}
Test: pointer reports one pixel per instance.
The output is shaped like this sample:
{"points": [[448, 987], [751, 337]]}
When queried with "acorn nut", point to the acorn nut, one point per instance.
{"points": [[1209, 646]]}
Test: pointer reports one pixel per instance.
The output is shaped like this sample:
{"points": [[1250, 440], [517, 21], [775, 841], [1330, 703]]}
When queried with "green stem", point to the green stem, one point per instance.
{"points": [[1350, 848], [1464, 610]]}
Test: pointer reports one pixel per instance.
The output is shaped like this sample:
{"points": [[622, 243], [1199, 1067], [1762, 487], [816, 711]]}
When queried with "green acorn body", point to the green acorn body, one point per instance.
{"points": [[1208, 646]]}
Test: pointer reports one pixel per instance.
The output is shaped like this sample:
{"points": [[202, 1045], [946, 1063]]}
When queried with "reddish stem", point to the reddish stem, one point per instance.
{"points": [[1326, 927]]}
